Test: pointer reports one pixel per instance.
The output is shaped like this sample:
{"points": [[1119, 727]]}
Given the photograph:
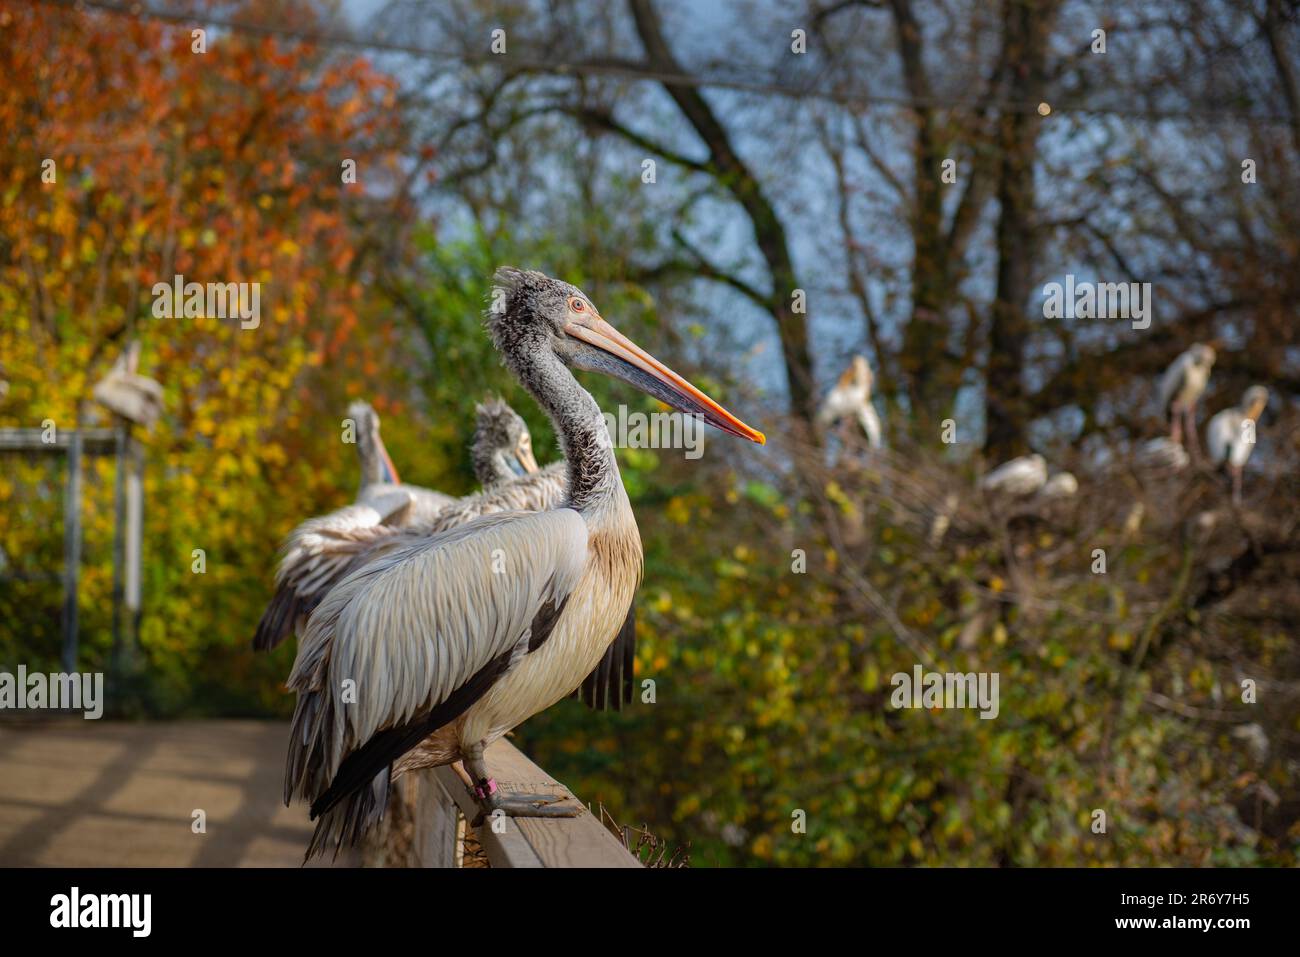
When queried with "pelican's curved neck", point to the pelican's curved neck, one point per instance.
{"points": [[368, 444], [584, 438]]}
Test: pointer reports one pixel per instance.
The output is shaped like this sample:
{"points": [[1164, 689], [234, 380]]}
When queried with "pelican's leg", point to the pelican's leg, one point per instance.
{"points": [[1236, 471], [491, 799], [1176, 425], [1193, 442]]}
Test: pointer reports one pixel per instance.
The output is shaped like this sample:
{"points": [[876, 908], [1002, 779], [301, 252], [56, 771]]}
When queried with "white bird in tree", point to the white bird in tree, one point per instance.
{"points": [[1230, 436], [460, 637], [1019, 478], [851, 398], [126, 393], [1061, 485], [320, 552], [1181, 388]]}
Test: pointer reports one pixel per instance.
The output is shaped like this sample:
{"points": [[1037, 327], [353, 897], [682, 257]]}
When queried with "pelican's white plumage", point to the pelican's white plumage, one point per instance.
{"points": [[1181, 388], [1020, 477], [1185, 380], [1230, 435]]}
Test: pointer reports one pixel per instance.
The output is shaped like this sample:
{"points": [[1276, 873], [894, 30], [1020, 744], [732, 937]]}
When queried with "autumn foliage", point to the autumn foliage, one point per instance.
{"points": [[130, 159]]}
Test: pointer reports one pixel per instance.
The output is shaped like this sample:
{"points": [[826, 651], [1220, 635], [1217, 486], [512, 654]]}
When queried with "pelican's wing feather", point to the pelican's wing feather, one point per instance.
{"points": [[316, 555], [538, 491], [321, 552], [416, 636], [427, 503]]}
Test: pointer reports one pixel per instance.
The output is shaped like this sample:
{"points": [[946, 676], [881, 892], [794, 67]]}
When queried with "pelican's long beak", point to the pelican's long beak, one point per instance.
{"points": [[624, 359], [386, 464], [523, 459]]}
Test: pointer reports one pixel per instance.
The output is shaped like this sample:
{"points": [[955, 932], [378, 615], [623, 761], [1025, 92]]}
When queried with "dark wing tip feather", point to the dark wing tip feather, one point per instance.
{"points": [[360, 767], [610, 683], [279, 620]]}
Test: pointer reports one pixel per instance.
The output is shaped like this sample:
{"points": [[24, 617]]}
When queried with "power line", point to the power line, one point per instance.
{"points": [[637, 72]]}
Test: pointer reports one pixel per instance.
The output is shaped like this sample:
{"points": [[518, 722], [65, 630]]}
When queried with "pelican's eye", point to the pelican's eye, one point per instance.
{"points": [[576, 304]]}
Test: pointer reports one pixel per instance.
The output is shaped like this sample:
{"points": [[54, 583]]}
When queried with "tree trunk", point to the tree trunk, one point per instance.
{"points": [[932, 371], [1025, 26], [769, 233]]}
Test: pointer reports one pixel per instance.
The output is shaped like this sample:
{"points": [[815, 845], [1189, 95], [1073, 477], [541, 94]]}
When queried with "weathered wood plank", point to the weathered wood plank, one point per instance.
{"points": [[505, 849], [435, 840], [537, 842]]}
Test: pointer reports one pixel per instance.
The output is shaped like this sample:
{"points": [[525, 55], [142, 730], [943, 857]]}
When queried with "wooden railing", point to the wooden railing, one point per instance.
{"points": [[437, 804]]}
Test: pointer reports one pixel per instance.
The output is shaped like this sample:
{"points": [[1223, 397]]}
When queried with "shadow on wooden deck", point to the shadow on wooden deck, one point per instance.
{"points": [[77, 793]]}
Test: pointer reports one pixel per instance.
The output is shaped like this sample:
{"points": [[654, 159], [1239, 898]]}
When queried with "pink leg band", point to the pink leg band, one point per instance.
{"points": [[488, 787]]}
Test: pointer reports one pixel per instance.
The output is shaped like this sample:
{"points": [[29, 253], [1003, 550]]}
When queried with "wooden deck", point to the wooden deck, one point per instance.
{"points": [[77, 793]]}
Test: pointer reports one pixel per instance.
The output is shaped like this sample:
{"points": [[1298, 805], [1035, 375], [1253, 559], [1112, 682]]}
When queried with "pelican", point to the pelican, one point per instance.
{"points": [[1181, 388], [379, 480], [1230, 436], [1018, 478], [852, 397], [503, 446], [321, 551], [460, 637]]}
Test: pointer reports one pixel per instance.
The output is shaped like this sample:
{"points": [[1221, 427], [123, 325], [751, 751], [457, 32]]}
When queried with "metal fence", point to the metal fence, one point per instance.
{"points": [[128, 513]]}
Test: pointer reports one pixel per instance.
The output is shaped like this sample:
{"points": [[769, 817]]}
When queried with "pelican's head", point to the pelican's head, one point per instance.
{"points": [[530, 312], [1203, 355], [861, 372], [1254, 401], [376, 466], [502, 445]]}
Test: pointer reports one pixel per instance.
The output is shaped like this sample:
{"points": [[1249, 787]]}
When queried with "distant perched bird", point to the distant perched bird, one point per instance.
{"points": [[1181, 388], [1255, 740], [851, 397], [455, 640], [1018, 478], [1161, 453], [1060, 485], [942, 520], [125, 392], [1230, 436]]}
